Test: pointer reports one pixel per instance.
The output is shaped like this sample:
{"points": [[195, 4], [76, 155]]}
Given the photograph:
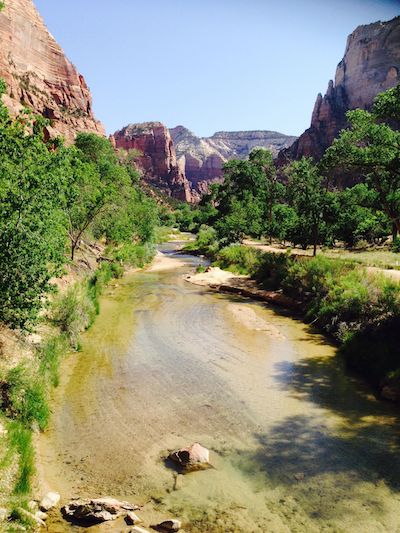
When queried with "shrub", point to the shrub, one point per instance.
{"points": [[25, 398], [240, 259], [135, 255]]}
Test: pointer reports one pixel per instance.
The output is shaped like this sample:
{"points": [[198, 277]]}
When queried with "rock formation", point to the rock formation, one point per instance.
{"points": [[155, 157], [202, 158], [371, 64], [39, 76]]}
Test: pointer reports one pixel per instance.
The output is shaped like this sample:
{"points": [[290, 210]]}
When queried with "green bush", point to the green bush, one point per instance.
{"points": [[50, 356], [135, 255], [25, 397], [205, 243], [240, 259], [75, 310]]}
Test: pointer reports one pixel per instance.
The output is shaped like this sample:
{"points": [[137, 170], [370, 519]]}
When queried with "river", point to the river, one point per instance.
{"points": [[297, 445]]}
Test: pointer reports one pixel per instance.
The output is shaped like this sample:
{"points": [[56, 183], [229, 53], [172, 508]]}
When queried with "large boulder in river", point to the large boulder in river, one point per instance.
{"points": [[196, 457], [95, 511]]}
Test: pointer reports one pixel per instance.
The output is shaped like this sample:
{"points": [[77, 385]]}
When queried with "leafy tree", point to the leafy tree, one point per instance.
{"points": [[246, 198], [371, 149], [32, 225], [96, 182], [307, 196]]}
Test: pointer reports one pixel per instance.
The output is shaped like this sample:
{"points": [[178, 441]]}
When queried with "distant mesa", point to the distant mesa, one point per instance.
{"points": [[371, 64], [203, 157], [183, 165], [39, 76]]}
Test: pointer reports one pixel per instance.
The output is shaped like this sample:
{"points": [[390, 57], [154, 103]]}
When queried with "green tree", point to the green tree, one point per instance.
{"points": [[307, 195], [96, 183], [370, 149], [32, 224]]}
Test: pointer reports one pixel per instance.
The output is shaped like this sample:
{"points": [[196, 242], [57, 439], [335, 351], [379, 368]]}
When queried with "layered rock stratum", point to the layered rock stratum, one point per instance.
{"points": [[154, 154], [371, 64], [203, 157], [39, 75]]}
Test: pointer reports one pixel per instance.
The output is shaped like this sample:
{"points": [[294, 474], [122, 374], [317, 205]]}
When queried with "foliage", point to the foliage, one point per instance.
{"points": [[370, 147], [308, 197], [246, 199], [205, 243], [134, 255], [24, 397], [32, 231]]}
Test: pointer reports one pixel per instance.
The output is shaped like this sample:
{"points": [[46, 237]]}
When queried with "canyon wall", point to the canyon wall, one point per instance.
{"points": [[203, 157], [155, 157], [39, 76], [371, 64]]}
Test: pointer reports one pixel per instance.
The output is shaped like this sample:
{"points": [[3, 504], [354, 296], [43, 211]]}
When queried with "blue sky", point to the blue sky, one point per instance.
{"points": [[208, 64]]}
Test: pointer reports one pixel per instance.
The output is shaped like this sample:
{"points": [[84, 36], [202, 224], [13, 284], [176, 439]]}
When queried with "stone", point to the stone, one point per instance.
{"points": [[155, 157], [138, 529], [3, 514], [371, 64], [131, 518], [168, 526], [49, 501], [39, 75], [41, 515], [97, 510], [192, 458], [33, 505], [3, 431]]}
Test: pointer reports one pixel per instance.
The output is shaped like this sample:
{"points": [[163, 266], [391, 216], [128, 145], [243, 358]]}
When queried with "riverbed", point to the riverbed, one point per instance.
{"points": [[297, 444]]}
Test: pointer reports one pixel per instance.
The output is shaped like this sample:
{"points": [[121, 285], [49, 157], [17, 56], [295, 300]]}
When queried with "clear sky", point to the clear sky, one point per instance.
{"points": [[208, 64]]}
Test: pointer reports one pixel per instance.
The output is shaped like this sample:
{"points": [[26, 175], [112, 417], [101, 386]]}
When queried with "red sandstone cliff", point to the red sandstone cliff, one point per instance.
{"points": [[156, 157], [371, 64], [39, 76]]}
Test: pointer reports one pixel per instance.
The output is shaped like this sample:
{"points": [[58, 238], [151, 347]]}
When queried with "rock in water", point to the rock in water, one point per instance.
{"points": [[193, 458], [49, 501], [168, 526], [95, 511]]}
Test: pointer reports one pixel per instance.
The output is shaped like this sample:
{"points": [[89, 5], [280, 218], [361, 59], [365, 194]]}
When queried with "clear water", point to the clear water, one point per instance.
{"points": [[296, 444]]}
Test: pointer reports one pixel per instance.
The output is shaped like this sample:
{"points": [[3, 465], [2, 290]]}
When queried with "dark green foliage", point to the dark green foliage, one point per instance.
{"points": [[245, 201]]}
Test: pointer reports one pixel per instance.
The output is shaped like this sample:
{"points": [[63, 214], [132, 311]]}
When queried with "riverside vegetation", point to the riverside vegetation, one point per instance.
{"points": [[358, 307], [56, 203]]}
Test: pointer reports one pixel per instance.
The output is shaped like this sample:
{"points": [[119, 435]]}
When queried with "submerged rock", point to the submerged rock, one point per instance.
{"points": [[168, 526], [95, 511], [193, 458], [49, 501]]}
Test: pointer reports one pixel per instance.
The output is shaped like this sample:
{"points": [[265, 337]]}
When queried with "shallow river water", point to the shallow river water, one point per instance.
{"points": [[297, 445]]}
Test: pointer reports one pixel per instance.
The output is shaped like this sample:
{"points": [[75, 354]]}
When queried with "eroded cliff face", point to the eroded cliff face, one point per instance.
{"points": [[39, 76], [155, 157], [371, 64], [203, 157]]}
